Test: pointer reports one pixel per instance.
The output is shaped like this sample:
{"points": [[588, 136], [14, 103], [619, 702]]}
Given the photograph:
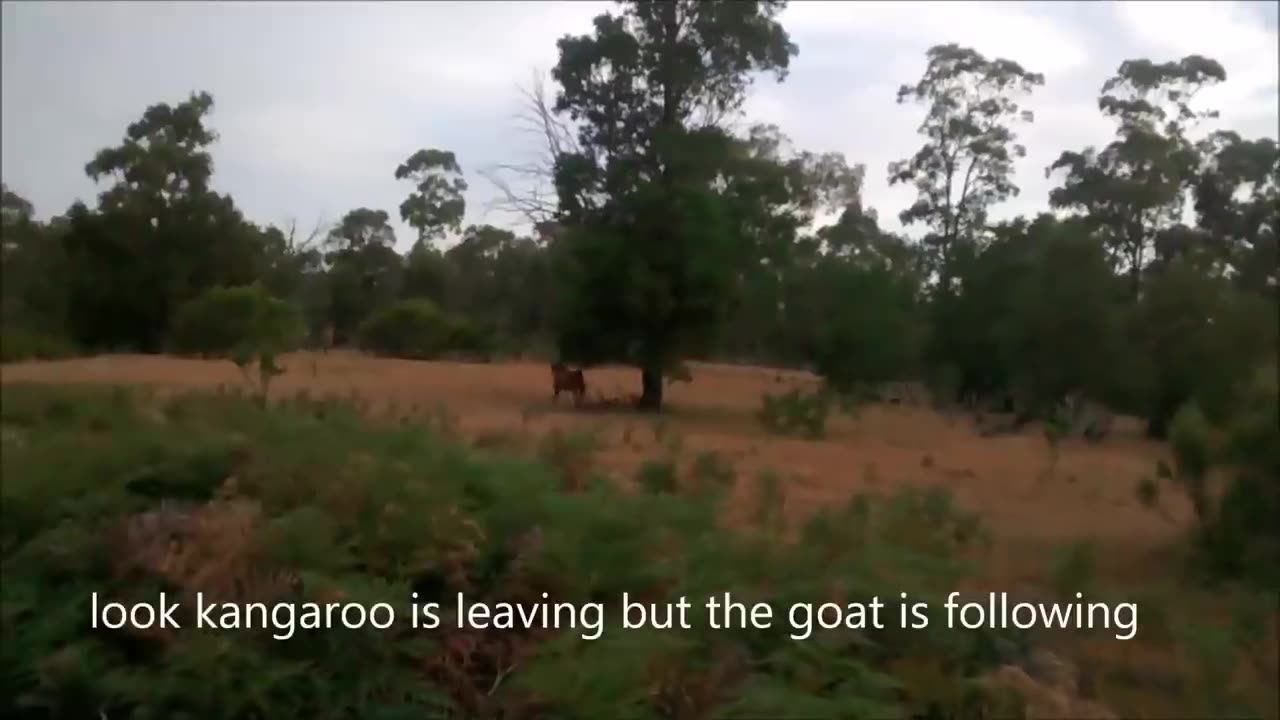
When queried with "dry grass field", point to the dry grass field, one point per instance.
{"points": [[1029, 514], [1090, 496]]}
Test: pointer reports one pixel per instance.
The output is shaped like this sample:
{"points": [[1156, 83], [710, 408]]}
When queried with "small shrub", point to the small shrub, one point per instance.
{"points": [[657, 476], [712, 470], [571, 455], [1190, 437], [929, 521], [1055, 428], [1147, 492], [1074, 569], [246, 358], [795, 413]]}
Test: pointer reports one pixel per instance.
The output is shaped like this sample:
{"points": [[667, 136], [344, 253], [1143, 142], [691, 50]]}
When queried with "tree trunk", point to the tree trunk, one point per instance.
{"points": [[650, 389], [1136, 244]]}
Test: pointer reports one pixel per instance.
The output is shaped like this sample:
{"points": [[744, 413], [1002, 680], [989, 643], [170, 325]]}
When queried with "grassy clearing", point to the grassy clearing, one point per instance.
{"points": [[127, 493], [210, 493]]}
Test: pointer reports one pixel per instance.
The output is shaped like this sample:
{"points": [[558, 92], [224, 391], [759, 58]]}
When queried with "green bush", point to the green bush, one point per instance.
{"points": [[471, 340], [417, 329], [1189, 435], [657, 476], [17, 345], [1236, 536], [414, 329], [711, 471], [795, 412], [1242, 538], [226, 320], [1074, 569], [307, 502]]}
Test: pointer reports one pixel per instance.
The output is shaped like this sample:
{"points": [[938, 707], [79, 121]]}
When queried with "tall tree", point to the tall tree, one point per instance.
{"points": [[32, 269], [426, 273], [364, 269], [160, 236], [164, 157], [437, 204], [1237, 201], [14, 207], [1063, 333], [966, 163], [653, 247], [1201, 340], [435, 207], [1133, 189]]}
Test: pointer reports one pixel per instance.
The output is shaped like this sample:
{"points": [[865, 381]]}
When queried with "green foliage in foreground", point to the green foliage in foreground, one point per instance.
{"points": [[1237, 537], [110, 492]]}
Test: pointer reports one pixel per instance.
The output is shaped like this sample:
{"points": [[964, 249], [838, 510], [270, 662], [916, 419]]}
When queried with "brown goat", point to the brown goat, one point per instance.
{"points": [[562, 378]]}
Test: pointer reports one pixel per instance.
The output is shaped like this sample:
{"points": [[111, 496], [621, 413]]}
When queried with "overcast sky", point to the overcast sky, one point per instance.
{"points": [[316, 104]]}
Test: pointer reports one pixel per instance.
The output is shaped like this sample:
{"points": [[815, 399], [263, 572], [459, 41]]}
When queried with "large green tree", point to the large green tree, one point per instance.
{"points": [[966, 163], [1133, 189], [777, 194], [436, 204], [33, 278], [365, 272], [1237, 202], [655, 238], [13, 207], [500, 280], [160, 235], [1200, 339]]}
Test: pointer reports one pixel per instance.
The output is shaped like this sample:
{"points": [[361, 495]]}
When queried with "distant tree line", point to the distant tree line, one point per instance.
{"points": [[666, 236]]}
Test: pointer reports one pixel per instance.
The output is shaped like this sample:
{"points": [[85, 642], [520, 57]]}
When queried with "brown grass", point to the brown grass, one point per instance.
{"points": [[1089, 496]]}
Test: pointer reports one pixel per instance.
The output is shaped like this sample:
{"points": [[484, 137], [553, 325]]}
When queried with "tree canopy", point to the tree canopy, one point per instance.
{"points": [[682, 229]]}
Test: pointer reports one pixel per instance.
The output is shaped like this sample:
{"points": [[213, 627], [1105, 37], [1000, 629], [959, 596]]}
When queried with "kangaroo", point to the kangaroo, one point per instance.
{"points": [[562, 378]]}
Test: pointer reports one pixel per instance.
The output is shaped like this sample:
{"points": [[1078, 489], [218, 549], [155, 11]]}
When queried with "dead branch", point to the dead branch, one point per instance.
{"points": [[528, 188]]}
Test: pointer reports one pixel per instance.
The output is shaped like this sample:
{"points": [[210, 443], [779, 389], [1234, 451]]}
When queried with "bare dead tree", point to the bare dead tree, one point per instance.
{"points": [[528, 188], [312, 241]]}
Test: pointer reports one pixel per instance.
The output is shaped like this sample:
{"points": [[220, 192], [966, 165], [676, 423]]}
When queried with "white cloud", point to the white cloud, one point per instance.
{"points": [[1229, 33], [1001, 29], [317, 102]]}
